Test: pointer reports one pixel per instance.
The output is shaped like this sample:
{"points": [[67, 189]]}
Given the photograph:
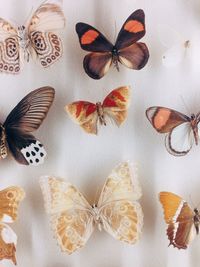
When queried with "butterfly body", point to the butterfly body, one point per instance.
{"points": [[196, 220], [24, 42], [103, 53], [100, 112]]}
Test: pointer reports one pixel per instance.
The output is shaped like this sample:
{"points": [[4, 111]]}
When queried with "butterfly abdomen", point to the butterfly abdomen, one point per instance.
{"points": [[100, 113], [3, 147]]}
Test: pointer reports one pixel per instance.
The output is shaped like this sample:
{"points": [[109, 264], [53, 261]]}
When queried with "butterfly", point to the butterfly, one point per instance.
{"points": [[182, 131], [26, 117], [182, 221], [10, 199], [35, 39], [73, 219], [88, 114], [126, 50]]}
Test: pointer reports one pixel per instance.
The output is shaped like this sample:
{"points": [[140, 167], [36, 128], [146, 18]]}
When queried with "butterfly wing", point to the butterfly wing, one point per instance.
{"points": [[72, 220], [85, 114], [179, 218], [47, 45], [97, 63], [25, 118], [9, 48], [10, 199], [121, 214], [116, 104], [8, 242], [132, 30], [164, 119]]}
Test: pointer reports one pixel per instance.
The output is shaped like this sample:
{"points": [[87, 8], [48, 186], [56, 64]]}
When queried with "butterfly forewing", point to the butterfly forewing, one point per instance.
{"points": [[29, 113], [91, 39], [179, 218], [25, 118], [165, 119], [71, 214], [10, 199], [116, 104], [132, 30]]}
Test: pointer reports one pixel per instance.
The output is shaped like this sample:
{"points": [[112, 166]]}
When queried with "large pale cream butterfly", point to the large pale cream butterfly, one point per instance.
{"points": [[10, 199], [117, 211], [35, 39]]}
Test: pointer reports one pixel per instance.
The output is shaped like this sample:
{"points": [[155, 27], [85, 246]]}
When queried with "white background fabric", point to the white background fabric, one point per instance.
{"points": [[86, 160]]}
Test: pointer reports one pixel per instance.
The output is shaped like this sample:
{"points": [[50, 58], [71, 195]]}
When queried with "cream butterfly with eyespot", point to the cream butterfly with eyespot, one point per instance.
{"points": [[35, 39], [73, 219]]}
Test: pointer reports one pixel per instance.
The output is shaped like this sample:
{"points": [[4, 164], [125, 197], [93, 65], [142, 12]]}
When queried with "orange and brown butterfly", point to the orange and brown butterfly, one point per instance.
{"points": [[10, 199], [183, 222], [182, 131], [88, 114], [127, 50]]}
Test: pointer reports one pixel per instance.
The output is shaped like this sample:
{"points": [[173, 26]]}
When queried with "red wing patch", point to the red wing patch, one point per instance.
{"points": [[110, 100], [86, 107], [134, 26], [89, 37]]}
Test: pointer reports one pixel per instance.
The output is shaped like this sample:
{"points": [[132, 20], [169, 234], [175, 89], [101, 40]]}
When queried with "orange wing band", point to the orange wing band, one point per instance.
{"points": [[134, 26], [89, 37]]}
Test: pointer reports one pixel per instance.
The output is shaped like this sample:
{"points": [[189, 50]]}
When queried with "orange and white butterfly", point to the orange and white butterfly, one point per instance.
{"points": [[73, 219], [88, 114], [35, 39], [182, 131], [182, 221], [10, 199]]}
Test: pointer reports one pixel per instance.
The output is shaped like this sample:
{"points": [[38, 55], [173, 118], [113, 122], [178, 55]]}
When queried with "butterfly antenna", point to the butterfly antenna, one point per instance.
{"points": [[115, 35], [96, 196], [29, 15], [185, 105], [190, 197]]}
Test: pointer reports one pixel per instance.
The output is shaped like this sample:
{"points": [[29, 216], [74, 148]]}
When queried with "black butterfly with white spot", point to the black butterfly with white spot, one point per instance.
{"points": [[26, 117]]}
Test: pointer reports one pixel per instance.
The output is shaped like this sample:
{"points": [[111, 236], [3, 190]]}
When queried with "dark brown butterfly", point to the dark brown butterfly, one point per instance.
{"points": [[182, 131], [182, 221], [126, 50], [26, 117]]}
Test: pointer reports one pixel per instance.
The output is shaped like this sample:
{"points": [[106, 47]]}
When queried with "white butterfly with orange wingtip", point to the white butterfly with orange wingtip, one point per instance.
{"points": [[10, 199], [35, 39], [74, 219]]}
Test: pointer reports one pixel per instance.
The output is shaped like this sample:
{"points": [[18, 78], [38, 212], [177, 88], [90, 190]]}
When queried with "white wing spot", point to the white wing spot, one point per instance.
{"points": [[34, 153]]}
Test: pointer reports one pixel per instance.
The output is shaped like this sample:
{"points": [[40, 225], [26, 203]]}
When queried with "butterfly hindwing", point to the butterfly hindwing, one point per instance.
{"points": [[96, 65], [71, 217], [9, 48], [8, 242], [91, 39], [134, 56], [179, 218], [25, 118], [132, 30]]}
